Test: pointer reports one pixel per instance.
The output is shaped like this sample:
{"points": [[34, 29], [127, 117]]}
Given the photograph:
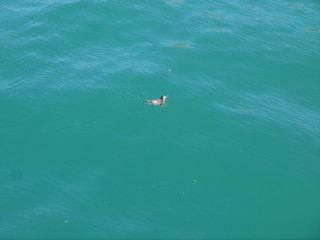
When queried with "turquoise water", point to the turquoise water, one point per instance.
{"points": [[234, 155]]}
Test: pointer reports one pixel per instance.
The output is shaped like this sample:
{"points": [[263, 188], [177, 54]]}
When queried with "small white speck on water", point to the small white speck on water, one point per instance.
{"points": [[195, 180], [66, 221], [169, 69]]}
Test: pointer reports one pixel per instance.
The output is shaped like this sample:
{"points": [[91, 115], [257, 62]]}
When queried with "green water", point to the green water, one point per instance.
{"points": [[234, 155]]}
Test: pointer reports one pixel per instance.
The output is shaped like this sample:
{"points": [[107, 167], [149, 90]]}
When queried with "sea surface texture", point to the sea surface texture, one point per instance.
{"points": [[235, 153]]}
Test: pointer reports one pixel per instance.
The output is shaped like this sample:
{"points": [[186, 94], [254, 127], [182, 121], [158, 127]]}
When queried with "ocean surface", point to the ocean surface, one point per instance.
{"points": [[235, 153]]}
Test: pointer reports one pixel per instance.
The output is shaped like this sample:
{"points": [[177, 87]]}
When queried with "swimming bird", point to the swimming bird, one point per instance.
{"points": [[157, 101]]}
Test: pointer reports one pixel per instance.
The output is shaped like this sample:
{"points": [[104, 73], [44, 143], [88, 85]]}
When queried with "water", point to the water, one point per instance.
{"points": [[235, 153]]}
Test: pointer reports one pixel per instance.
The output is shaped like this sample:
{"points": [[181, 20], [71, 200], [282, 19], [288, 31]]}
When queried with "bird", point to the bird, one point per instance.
{"points": [[157, 101]]}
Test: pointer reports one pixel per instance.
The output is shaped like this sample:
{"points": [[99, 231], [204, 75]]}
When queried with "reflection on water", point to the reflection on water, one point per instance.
{"points": [[313, 29], [212, 15], [179, 44], [86, 65], [217, 30]]}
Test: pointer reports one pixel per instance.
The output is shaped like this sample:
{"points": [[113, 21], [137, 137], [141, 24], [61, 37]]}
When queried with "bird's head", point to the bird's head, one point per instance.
{"points": [[163, 97]]}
